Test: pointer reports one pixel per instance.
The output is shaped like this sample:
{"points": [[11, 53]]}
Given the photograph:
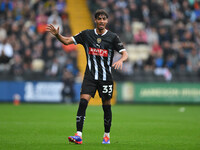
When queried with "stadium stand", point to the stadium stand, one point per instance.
{"points": [[159, 35], [27, 51], [165, 36]]}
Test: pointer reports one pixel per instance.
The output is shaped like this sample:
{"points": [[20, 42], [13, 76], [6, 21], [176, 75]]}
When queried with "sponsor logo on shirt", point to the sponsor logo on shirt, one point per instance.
{"points": [[98, 52]]}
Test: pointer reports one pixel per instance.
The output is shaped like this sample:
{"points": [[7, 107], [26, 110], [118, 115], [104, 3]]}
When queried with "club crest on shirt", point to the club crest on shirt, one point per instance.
{"points": [[98, 40]]}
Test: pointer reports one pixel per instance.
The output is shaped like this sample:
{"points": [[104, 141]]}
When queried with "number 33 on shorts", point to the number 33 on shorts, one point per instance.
{"points": [[107, 89]]}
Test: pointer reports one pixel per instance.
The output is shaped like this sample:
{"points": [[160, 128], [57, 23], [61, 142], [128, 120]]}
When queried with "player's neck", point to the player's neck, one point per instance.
{"points": [[100, 31]]}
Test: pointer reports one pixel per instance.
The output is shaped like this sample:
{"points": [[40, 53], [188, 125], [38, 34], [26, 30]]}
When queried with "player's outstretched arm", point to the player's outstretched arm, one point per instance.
{"points": [[119, 63], [65, 40]]}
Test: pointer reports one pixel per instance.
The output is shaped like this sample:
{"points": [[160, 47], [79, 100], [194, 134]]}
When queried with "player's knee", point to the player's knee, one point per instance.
{"points": [[86, 97], [106, 102]]}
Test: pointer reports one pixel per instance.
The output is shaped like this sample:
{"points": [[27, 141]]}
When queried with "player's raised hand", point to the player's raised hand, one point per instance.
{"points": [[118, 64], [50, 28]]}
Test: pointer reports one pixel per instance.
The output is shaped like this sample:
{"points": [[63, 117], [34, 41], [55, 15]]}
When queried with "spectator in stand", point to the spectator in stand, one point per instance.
{"points": [[164, 35], [53, 70], [197, 34], [3, 33], [41, 22], [17, 66], [48, 43], [152, 36], [71, 67], [159, 61], [179, 29], [62, 57], [140, 37], [122, 4], [127, 34], [38, 50], [55, 20], [168, 54], [186, 9], [49, 56], [134, 12], [126, 16], [174, 6], [166, 12], [181, 61], [156, 48], [187, 42], [149, 64], [145, 14], [49, 6], [27, 61], [196, 12], [170, 61], [67, 91], [6, 52], [61, 6], [193, 61], [24, 42]]}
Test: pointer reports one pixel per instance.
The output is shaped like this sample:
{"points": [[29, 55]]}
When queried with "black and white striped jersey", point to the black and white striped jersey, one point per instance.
{"points": [[99, 51]]}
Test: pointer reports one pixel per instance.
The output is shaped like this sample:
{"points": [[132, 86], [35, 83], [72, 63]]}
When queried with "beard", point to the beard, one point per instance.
{"points": [[101, 27]]}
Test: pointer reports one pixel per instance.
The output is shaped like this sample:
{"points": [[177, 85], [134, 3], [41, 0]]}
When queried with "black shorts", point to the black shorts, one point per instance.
{"points": [[105, 88]]}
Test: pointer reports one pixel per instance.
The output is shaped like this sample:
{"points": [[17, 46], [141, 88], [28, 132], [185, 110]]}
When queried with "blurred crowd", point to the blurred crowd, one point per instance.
{"points": [[171, 28], [27, 51]]}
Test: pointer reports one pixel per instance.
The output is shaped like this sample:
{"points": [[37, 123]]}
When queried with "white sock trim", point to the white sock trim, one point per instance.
{"points": [[79, 133], [106, 134]]}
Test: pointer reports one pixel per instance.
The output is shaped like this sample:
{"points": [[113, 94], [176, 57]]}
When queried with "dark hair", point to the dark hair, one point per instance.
{"points": [[100, 12]]}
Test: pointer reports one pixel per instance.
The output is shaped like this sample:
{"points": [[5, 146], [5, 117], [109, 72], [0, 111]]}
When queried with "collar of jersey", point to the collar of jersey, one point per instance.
{"points": [[95, 31]]}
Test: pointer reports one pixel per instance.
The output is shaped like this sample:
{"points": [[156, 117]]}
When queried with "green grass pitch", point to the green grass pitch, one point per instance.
{"points": [[134, 127]]}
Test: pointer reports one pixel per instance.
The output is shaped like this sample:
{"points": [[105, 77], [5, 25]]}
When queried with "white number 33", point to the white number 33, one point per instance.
{"points": [[107, 89]]}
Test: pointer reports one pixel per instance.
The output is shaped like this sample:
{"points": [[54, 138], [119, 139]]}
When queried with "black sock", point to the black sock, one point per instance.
{"points": [[81, 114], [107, 117]]}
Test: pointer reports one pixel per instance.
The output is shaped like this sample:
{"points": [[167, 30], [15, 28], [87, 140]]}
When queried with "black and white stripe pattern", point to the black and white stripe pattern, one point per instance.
{"points": [[109, 59], [96, 74], [103, 68], [99, 54]]}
